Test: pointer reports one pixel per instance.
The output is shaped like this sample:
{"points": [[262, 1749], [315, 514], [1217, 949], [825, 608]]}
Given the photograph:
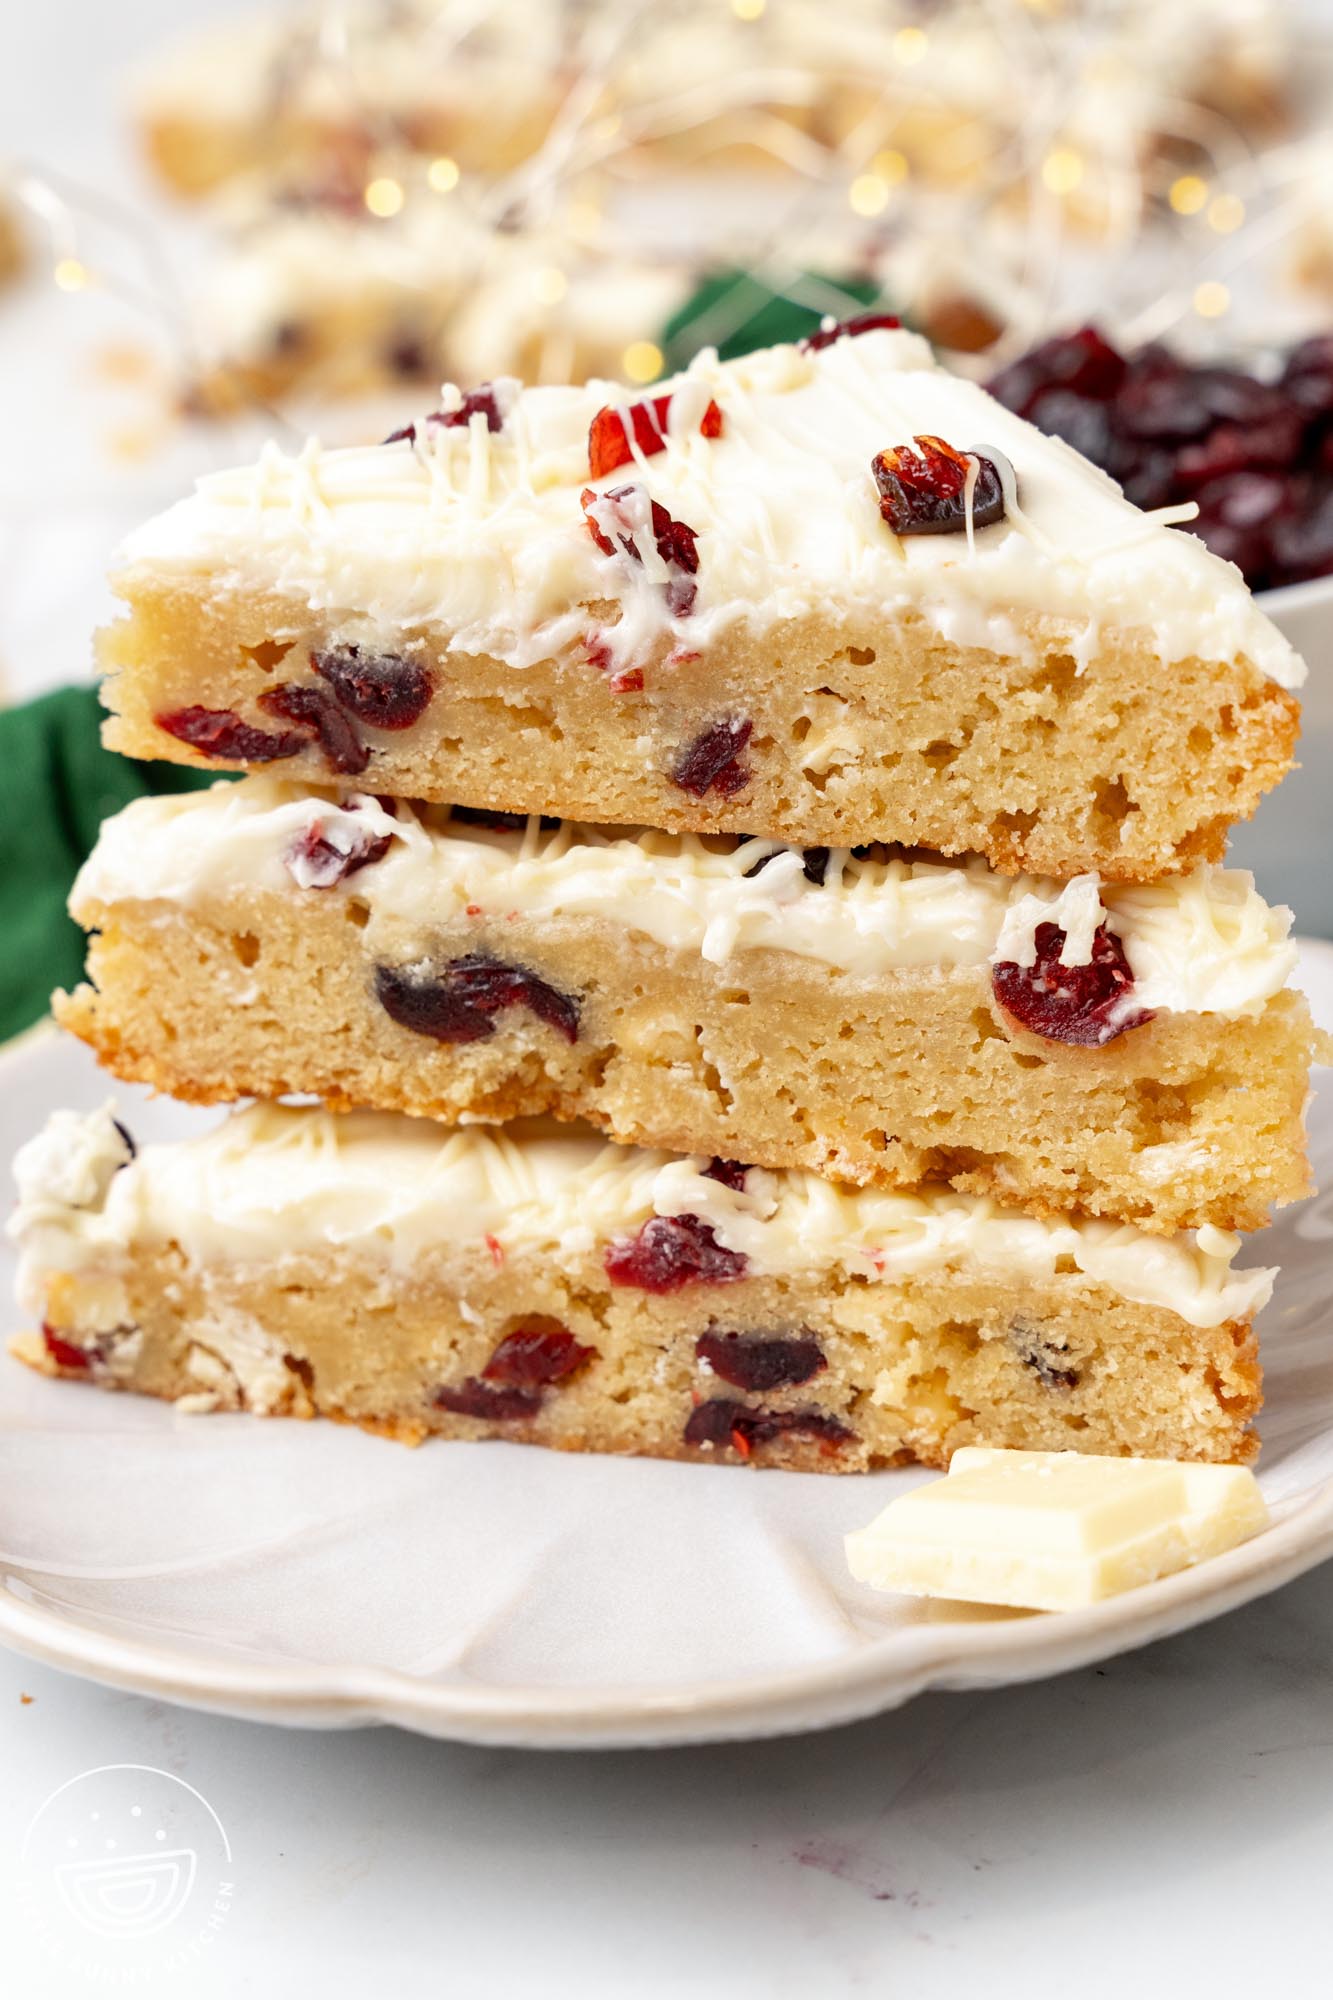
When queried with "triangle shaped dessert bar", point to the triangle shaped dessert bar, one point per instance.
{"points": [[809, 775], [828, 593], [543, 1286]]}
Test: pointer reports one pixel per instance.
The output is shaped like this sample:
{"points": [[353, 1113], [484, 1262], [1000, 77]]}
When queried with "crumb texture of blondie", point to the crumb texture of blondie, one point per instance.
{"points": [[768, 1058], [846, 1378], [851, 733]]}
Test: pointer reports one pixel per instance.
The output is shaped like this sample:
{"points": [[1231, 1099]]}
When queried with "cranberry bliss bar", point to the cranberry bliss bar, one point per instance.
{"points": [[563, 1292], [828, 593], [882, 1019]]}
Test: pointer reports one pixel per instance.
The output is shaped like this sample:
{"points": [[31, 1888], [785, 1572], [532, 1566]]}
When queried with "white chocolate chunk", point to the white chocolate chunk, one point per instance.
{"points": [[1053, 1530]]}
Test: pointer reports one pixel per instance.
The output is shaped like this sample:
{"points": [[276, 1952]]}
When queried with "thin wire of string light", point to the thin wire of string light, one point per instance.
{"points": [[1016, 216]]}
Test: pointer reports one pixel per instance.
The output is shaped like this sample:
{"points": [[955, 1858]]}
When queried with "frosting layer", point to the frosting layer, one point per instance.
{"points": [[1199, 943], [482, 534], [272, 1182]]}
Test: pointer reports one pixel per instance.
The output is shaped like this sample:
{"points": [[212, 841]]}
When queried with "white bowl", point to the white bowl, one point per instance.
{"points": [[1289, 845]]}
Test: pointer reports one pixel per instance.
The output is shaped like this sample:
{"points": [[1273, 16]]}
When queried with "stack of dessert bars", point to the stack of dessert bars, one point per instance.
{"points": [[738, 872]]}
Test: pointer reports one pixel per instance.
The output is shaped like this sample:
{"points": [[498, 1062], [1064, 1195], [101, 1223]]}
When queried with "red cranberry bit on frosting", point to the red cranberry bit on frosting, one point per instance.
{"points": [[316, 862], [534, 1356], [480, 402], [714, 761], [381, 689], [760, 1361], [343, 749], [730, 1173], [476, 402], [723, 1422], [1086, 1005], [670, 1252], [490, 1402], [924, 491], [219, 732], [64, 1353], [458, 1003], [612, 522], [609, 441], [847, 329]]}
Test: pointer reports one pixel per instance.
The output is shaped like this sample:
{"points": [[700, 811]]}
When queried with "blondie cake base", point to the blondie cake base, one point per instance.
{"points": [[844, 732], [767, 1058], [514, 1286], [910, 1372]]}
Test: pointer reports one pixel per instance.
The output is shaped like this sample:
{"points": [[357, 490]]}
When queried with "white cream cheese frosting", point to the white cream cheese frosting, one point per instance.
{"points": [[482, 534], [1199, 943], [272, 1182]]}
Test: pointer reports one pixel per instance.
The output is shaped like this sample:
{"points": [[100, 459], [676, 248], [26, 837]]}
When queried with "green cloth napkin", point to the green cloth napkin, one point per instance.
{"points": [[59, 785], [735, 311]]}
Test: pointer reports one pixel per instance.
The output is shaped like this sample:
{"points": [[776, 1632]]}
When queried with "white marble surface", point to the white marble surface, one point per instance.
{"points": [[1165, 1823]]}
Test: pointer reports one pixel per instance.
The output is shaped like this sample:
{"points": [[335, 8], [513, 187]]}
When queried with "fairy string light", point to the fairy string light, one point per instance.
{"points": [[897, 169]]}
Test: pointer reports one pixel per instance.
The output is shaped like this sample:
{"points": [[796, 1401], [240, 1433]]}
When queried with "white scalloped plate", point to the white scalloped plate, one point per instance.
{"points": [[306, 1573]]}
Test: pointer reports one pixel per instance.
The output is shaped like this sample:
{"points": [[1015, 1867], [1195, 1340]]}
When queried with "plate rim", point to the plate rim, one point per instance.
{"points": [[880, 1675]]}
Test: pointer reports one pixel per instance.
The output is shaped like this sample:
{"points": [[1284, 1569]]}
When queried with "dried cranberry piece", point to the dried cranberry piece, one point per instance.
{"points": [[343, 749], [1266, 446], [482, 402], [1043, 1354], [458, 1002], [675, 541], [534, 1356], [1082, 362], [382, 689], [1257, 455], [670, 1252], [1147, 478], [475, 1398], [724, 1422], [64, 1353], [730, 1173], [814, 862], [714, 761], [1084, 425], [219, 732], [1087, 1005], [760, 1361], [1236, 515], [1158, 405], [405, 358], [497, 822], [476, 402], [924, 492], [1303, 546], [314, 862], [847, 329], [1308, 375], [609, 441]]}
